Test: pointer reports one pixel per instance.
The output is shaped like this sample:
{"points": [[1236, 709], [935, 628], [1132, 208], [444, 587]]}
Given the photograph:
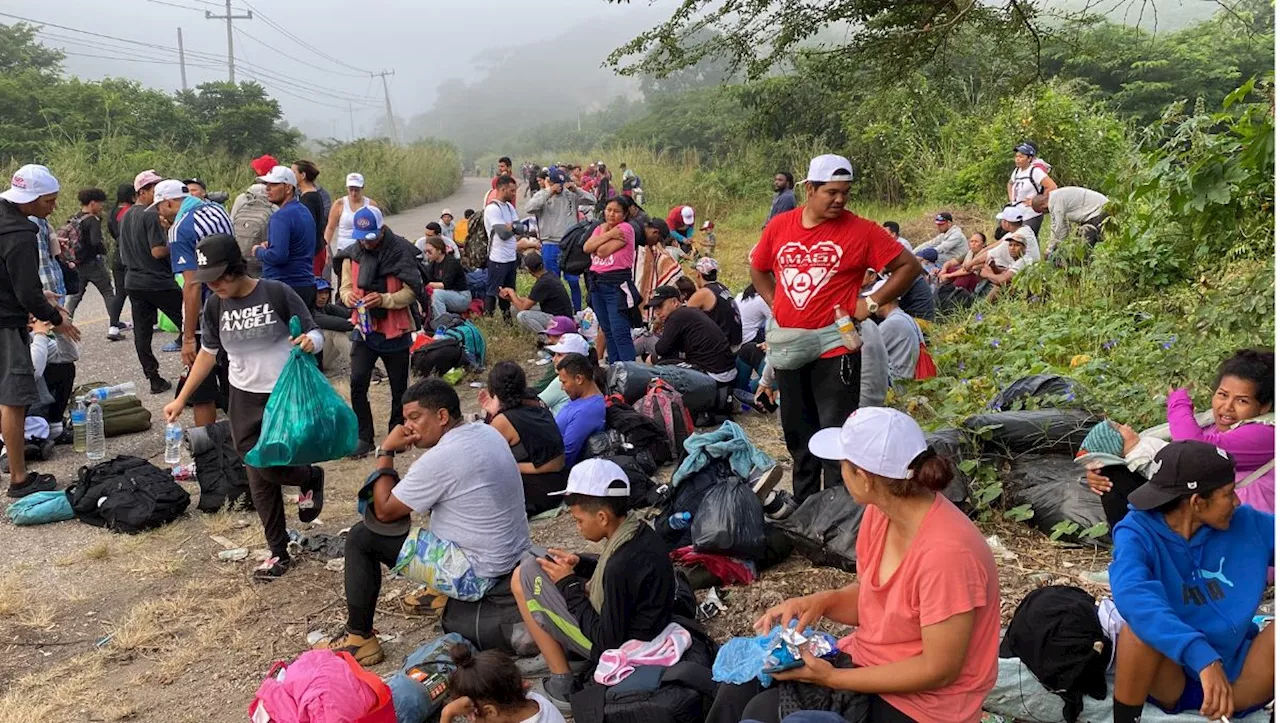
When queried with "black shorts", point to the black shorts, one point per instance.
{"points": [[213, 389], [17, 373]]}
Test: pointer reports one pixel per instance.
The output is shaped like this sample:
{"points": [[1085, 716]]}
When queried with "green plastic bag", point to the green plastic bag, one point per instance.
{"points": [[164, 322], [305, 420]]}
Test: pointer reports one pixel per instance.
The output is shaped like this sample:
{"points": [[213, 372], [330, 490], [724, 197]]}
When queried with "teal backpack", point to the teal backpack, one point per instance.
{"points": [[472, 341]]}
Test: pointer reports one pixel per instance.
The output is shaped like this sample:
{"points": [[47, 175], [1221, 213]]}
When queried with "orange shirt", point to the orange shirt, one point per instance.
{"points": [[948, 570]]}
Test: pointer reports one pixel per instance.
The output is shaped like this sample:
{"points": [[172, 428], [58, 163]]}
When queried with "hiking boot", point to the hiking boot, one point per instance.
{"points": [[311, 500], [160, 385], [763, 481], [271, 569], [424, 601], [363, 449], [366, 650], [113, 334], [33, 483]]}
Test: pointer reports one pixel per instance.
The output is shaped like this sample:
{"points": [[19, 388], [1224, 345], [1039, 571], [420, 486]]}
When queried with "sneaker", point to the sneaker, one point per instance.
{"points": [[559, 688], [172, 347], [366, 651], [363, 449], [67, 437], [271, 569], [424, 601], [160, 385], [765, 480], [113, 334], [377, 376], [126, 325], [311, 501], [33, 483]]}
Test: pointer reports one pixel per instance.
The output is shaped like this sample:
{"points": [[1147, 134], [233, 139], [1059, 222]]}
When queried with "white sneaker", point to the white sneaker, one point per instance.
{"points": [[113, 333]]}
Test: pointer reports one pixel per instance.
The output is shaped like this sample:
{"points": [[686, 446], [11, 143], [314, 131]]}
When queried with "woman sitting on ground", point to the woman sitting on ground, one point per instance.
{"points": [[530, 429], [926, 606], [1188, 574], [1239, 421], [964, 272]]}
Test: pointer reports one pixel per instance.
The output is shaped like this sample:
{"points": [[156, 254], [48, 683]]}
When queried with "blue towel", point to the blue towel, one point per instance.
{"points": [[727, 442]]}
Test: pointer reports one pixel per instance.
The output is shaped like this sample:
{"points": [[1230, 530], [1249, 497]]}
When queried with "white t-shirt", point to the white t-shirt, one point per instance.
{"points": [[1000, 252], [500, 213], [1027, 182], [547, 712], [470, 485], [755, 314]]}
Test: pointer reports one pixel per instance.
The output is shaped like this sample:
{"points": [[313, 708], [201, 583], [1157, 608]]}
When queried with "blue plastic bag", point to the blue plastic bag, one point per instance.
{"points": [[741, 659], [40, 508], [420, 689], [305, 420]]}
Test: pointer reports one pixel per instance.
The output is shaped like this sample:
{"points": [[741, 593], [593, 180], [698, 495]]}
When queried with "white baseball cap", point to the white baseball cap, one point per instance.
{"points": [[686, 214], [879, 440], [829, 167], [29, 183], [597, 477], [570, 344], [355, 180], [1014, 214], [280, 174], [167, 190]]}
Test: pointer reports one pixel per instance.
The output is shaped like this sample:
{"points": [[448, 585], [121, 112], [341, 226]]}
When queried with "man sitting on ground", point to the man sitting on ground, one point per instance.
{"points": [[689, 336], [948, 244], [435, 230], [574, 604], [1188, 573], [547, 299], [1073, 204], [584, 413], [469, 484], [716, 300], [1000, 275]]}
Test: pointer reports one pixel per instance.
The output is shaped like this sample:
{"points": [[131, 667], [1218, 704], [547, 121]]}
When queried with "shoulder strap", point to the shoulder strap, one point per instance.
{"points": [[1256, 474]]}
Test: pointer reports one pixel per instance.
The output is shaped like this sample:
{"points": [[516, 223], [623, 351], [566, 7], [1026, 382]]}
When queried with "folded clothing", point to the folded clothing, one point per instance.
{"points": [[665, 650]]}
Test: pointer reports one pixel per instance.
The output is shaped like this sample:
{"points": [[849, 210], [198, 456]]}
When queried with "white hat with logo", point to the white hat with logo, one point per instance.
{"points": [[355, 180], [29, 183]]}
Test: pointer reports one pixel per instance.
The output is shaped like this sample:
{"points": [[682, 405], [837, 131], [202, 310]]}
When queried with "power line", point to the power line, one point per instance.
{"points": [[230, 17], [247, 36], [280, 29]]}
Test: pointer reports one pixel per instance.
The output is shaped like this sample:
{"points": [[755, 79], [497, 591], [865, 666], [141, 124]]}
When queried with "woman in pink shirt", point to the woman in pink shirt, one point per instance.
{"points": [[926, 606], [613, 252]]}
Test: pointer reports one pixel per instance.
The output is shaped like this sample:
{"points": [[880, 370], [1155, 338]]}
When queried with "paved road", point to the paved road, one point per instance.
{"points": [[116, 362]]}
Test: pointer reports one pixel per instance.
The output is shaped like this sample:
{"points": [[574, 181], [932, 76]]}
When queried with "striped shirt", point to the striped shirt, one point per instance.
{"points": [[205, 219]]}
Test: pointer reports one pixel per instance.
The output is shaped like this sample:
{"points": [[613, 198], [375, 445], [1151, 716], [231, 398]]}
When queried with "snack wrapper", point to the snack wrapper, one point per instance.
{"points": [[787, 646]]}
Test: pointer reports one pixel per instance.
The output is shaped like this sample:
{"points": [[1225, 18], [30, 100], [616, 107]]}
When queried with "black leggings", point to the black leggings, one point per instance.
{"points": [[366, 553], [752, 702], [60, 380]]}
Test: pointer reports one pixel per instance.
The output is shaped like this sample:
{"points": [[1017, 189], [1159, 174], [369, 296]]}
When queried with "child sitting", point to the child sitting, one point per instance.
{"points": [[578, 605], [1126, 457], [487, 688]]}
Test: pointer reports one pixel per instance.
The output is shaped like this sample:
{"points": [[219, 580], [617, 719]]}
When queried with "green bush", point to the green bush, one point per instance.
{"points": [[397, 177]]}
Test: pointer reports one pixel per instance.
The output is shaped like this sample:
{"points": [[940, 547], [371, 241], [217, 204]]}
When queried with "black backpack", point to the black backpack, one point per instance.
{"points": [[574, 259], [219, 468], [438, 357], [127, 494], [641, 432], [491, 623]]}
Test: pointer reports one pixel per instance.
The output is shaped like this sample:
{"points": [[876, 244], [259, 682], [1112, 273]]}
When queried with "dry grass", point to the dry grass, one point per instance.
{"points": [[55, 693], [14, 596]]}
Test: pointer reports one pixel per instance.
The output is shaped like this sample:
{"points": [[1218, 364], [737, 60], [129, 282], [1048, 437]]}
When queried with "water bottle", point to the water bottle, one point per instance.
{"points": [[172, 443], [848, 331], [78, 413], [95, 433], [362, 315], [680, 520], [102, 394]]}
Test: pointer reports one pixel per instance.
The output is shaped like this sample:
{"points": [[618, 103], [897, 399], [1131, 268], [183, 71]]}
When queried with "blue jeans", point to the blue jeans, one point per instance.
{"points": [[443, 300], [551, 260], [606, 300], [500, 275]]}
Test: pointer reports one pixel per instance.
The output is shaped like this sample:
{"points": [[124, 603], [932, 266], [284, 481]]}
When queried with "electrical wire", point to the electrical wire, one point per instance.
{"points": [[280, 29]]}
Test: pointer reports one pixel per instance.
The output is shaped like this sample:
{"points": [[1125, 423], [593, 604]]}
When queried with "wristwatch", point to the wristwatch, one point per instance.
{"points": [[872, 306], [386, 453]]}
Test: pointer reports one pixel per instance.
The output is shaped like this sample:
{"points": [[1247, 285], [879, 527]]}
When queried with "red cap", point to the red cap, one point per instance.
{"points": [[263, 165]]}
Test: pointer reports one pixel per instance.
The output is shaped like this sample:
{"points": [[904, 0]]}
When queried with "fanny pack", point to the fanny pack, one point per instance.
{"points": [[793, 348]]}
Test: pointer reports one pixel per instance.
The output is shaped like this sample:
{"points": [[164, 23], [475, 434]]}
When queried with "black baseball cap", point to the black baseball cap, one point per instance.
{"points": [[532, 261], [943, 216], [214, 254], [1184, 468], [661, 294], [199, 182], [659, 225]]}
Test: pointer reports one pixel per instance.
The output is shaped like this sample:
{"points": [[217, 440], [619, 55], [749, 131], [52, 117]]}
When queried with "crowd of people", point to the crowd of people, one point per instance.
{"points": [[833, 316]]}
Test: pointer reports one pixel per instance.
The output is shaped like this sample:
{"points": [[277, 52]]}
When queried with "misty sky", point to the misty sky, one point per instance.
{"points": [[423, 41]]}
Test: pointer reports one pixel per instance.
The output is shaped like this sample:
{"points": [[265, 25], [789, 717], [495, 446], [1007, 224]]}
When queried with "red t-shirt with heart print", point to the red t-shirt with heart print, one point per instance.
{"points": [[817, 268]]}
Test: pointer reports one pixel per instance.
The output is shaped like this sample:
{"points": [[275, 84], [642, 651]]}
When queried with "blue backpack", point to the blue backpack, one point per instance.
{"points": [[472, 341]]}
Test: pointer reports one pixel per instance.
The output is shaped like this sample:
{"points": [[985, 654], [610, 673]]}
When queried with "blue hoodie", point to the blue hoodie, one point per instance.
{"points": [[1193, 600]]}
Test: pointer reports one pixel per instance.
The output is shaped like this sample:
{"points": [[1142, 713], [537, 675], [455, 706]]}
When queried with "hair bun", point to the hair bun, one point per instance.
{"points": [[462, 656]]}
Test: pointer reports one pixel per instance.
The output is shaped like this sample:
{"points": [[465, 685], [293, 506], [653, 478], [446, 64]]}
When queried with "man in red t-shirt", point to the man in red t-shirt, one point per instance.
{"points": [[808, 261]]}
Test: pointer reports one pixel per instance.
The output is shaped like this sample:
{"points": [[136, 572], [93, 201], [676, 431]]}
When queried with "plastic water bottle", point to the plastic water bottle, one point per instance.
{"points": [[78, 413], [172, 443], [102, 394], [848, 331], [362, 315], [95, 433], [680, 520]]}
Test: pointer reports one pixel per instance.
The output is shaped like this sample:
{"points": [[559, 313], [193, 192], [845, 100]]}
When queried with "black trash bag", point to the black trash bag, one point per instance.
{"points": [[825, 528], [730, 522], [608, 443], [1033, 431], [1054, 487], [955, 446], [687, 497], [631, 380], [1040, 391], [642, 432], [639, 471]]}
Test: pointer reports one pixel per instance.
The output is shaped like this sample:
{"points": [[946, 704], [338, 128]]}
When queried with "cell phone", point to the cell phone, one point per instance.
{"points": [[542, 552], [784, 667]]}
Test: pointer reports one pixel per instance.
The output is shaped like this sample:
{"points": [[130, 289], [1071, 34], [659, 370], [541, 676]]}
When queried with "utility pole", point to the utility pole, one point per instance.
{"points": [[386, 94], [231, 48], [351, 114], [182, 61]]}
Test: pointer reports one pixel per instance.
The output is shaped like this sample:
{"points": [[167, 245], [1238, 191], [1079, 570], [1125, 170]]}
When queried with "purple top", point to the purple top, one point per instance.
{"points": [[1252, 445]]}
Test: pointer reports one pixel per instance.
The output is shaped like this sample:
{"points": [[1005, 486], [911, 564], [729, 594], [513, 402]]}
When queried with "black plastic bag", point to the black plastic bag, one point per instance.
{"points": [[955, 446], [730, 521], [687, 497], [1037, 430], [639, 470], [825, 528], [1040, 391], [631, 380], [608, 443], [1054, 487]]}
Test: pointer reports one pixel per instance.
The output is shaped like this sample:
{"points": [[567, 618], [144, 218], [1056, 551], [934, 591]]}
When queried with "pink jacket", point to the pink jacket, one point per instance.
{"points": [[1252, 445]]}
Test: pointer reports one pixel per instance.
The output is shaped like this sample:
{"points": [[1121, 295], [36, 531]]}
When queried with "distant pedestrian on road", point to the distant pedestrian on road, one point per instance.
{"points": [[91, 254]]}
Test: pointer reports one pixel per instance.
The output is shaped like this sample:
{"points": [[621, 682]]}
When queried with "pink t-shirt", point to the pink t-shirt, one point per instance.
{"points": [[1252, 445], [948, 570], [622, 259]]}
